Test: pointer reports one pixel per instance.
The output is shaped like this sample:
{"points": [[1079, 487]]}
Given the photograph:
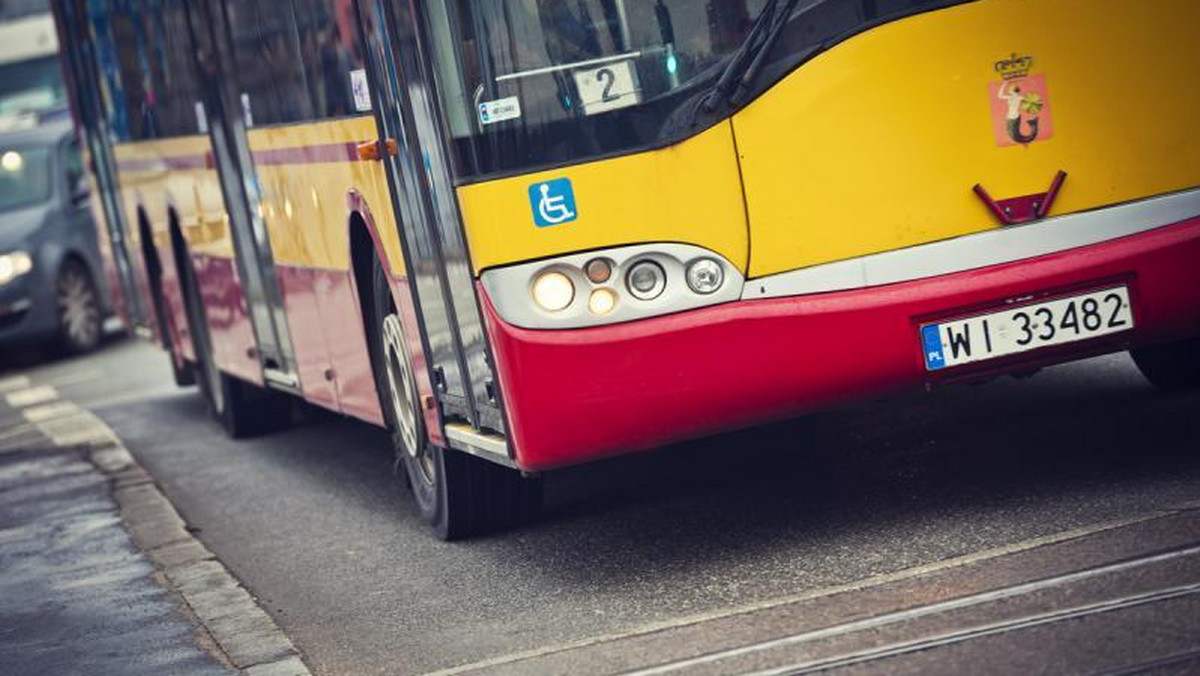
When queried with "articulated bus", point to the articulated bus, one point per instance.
{"points": [[525, 234]]}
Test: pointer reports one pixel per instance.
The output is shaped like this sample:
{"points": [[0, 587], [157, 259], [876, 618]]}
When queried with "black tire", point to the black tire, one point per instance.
{"points": [[78, 307], [244, 410], [457, 494], [247, 410], [1170, 367], [183, 372]]}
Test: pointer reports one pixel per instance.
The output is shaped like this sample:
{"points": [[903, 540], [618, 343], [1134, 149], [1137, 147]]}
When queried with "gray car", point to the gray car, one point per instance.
{"points": [[49, 259]]}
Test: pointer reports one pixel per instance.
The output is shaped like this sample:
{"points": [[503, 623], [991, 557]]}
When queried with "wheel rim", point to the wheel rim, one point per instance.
{"points": [[401, 397], [78, 309]]}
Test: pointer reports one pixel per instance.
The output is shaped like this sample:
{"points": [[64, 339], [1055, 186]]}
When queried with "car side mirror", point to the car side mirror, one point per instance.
{"points": [[80, 192]]}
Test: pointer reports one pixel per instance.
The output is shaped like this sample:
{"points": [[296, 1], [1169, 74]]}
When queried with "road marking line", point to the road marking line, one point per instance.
{"points": [[31, 396], [14, 383], [908, 614], [75, 377], [865, 583], [58, 409]]}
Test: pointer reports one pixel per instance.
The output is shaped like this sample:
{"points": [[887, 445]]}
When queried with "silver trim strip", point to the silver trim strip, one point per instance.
{"points": [[282, 379], [469, 440], [981, 250]]}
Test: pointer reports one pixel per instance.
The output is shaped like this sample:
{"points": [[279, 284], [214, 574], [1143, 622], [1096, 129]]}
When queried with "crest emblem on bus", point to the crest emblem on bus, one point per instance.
{"points": [[553, 202], [1020, 103]]}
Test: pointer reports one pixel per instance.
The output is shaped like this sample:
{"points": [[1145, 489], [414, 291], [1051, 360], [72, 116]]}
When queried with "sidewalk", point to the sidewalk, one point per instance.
{"points": [[78, 595]]}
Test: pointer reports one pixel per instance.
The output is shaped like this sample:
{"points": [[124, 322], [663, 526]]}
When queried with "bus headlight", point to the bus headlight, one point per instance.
{"points": [[705, 276], [14, 265], [646, 280], [602, 302], [553, 291], [609, 286]]}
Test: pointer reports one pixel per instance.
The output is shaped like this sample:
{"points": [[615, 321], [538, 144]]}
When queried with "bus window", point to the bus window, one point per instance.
{"points": [[293, 59]]}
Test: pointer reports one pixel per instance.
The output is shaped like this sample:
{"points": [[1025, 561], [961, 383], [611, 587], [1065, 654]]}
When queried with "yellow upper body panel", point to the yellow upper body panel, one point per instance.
{"points": [[168, 176], [688, 193], [876, 144], [305, 186], [306, 172]]}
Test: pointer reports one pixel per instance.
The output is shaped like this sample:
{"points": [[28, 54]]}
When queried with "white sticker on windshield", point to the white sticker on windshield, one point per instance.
{"points": [[609, 87], [361, 89], [247, 113], [201, 118], [491, 112]]}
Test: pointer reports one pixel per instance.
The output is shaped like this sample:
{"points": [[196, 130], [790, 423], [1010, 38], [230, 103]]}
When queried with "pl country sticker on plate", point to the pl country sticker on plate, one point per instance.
{"points": [[1020, 103]]}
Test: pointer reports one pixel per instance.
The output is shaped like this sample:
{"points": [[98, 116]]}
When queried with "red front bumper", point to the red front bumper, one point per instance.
{"points": [[577, 395]]}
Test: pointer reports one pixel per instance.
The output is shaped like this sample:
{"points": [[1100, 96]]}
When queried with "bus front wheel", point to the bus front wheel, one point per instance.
{"points": [[1171, 367], [457, 494]]}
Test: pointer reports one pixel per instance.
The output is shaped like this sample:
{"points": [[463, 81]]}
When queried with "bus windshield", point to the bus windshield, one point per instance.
{"points": [[531, 84], [538, 82]]}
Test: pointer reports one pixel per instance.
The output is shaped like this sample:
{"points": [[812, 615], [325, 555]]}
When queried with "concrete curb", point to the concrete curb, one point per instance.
{"points": [[238, 629]]}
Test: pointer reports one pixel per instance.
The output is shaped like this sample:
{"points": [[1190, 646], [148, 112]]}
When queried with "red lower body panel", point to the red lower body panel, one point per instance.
{"points": [[577, 395]]}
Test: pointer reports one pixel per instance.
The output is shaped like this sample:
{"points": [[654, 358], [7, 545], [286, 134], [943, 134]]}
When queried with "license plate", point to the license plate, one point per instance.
{"points": [[1029, 327]]}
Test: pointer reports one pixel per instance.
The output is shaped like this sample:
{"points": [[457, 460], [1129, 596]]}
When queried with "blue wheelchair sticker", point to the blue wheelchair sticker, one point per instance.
{"points": [[931, 336], [553, 202]]}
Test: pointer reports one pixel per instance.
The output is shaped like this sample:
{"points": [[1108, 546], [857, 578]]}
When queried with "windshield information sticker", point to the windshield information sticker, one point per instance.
{"points": [[491, 112], [608, 87]]}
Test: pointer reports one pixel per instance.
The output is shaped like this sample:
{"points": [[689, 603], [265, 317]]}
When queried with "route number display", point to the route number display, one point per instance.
{"points": [[1026, 328], [609, 87]]}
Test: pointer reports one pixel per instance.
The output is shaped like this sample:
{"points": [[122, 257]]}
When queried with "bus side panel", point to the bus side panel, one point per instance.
{"points": [[312, 183], [174, 178]]}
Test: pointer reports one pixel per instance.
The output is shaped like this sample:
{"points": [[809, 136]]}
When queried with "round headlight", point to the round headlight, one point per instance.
{"points": [[602, 302], [705, 276], [646, 280], [553, 291]]}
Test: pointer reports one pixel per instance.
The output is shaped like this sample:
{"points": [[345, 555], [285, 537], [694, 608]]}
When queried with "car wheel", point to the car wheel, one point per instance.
{"points": [[457, 494], [78, 308], [1171, 367]]}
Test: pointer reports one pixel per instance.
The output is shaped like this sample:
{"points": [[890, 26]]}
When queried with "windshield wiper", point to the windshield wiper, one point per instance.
{"points": [[745, 63]]}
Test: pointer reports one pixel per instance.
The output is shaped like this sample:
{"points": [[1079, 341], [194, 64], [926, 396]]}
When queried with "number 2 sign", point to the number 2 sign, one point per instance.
{"points": [[611, 86]]}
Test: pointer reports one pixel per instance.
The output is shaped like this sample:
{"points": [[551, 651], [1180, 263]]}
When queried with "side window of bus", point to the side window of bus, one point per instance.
{"points": [[171, 69], [116, 36], [294, 59]]}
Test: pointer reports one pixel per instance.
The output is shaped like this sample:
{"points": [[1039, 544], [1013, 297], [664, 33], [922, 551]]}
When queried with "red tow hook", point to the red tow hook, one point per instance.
{"points": [[1023, 209]]}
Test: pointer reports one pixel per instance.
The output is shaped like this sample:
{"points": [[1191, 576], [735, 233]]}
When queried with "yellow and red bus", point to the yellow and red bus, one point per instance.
{"points": [[525, 234]]}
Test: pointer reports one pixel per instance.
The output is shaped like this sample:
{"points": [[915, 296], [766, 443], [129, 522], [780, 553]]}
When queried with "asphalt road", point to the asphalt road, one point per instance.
{"points": [[698, 540]]}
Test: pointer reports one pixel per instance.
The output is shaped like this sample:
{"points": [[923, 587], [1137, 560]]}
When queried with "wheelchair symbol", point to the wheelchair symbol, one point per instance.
{"points": [[553, 202]]}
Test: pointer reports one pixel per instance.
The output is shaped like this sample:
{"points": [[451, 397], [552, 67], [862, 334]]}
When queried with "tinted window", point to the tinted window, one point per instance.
{"points": [[293, 59], [25, 177]]}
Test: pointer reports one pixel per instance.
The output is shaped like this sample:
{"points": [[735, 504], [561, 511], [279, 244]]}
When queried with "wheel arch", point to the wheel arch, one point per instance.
{"points": [[366, 247]]}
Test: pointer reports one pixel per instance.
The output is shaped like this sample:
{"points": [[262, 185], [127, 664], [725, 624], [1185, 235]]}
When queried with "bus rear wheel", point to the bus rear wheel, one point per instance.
{"points": [[457, 494], [1170, 367]]}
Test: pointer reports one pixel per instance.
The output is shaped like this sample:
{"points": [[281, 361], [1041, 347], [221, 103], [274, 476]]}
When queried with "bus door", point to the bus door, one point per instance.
{"points": [[404, 97], [240, 187], [83, 69]]}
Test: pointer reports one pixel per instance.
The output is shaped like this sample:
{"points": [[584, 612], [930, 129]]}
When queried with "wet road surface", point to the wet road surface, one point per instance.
{"points": [[76, 595], [728, 531]]}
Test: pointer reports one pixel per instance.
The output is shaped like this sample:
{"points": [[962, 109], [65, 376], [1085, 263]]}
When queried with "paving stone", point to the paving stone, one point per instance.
{"points": [[250, 639], [292, 666], [223, 601], [179, 554], [156, 533], [199, 576]]}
